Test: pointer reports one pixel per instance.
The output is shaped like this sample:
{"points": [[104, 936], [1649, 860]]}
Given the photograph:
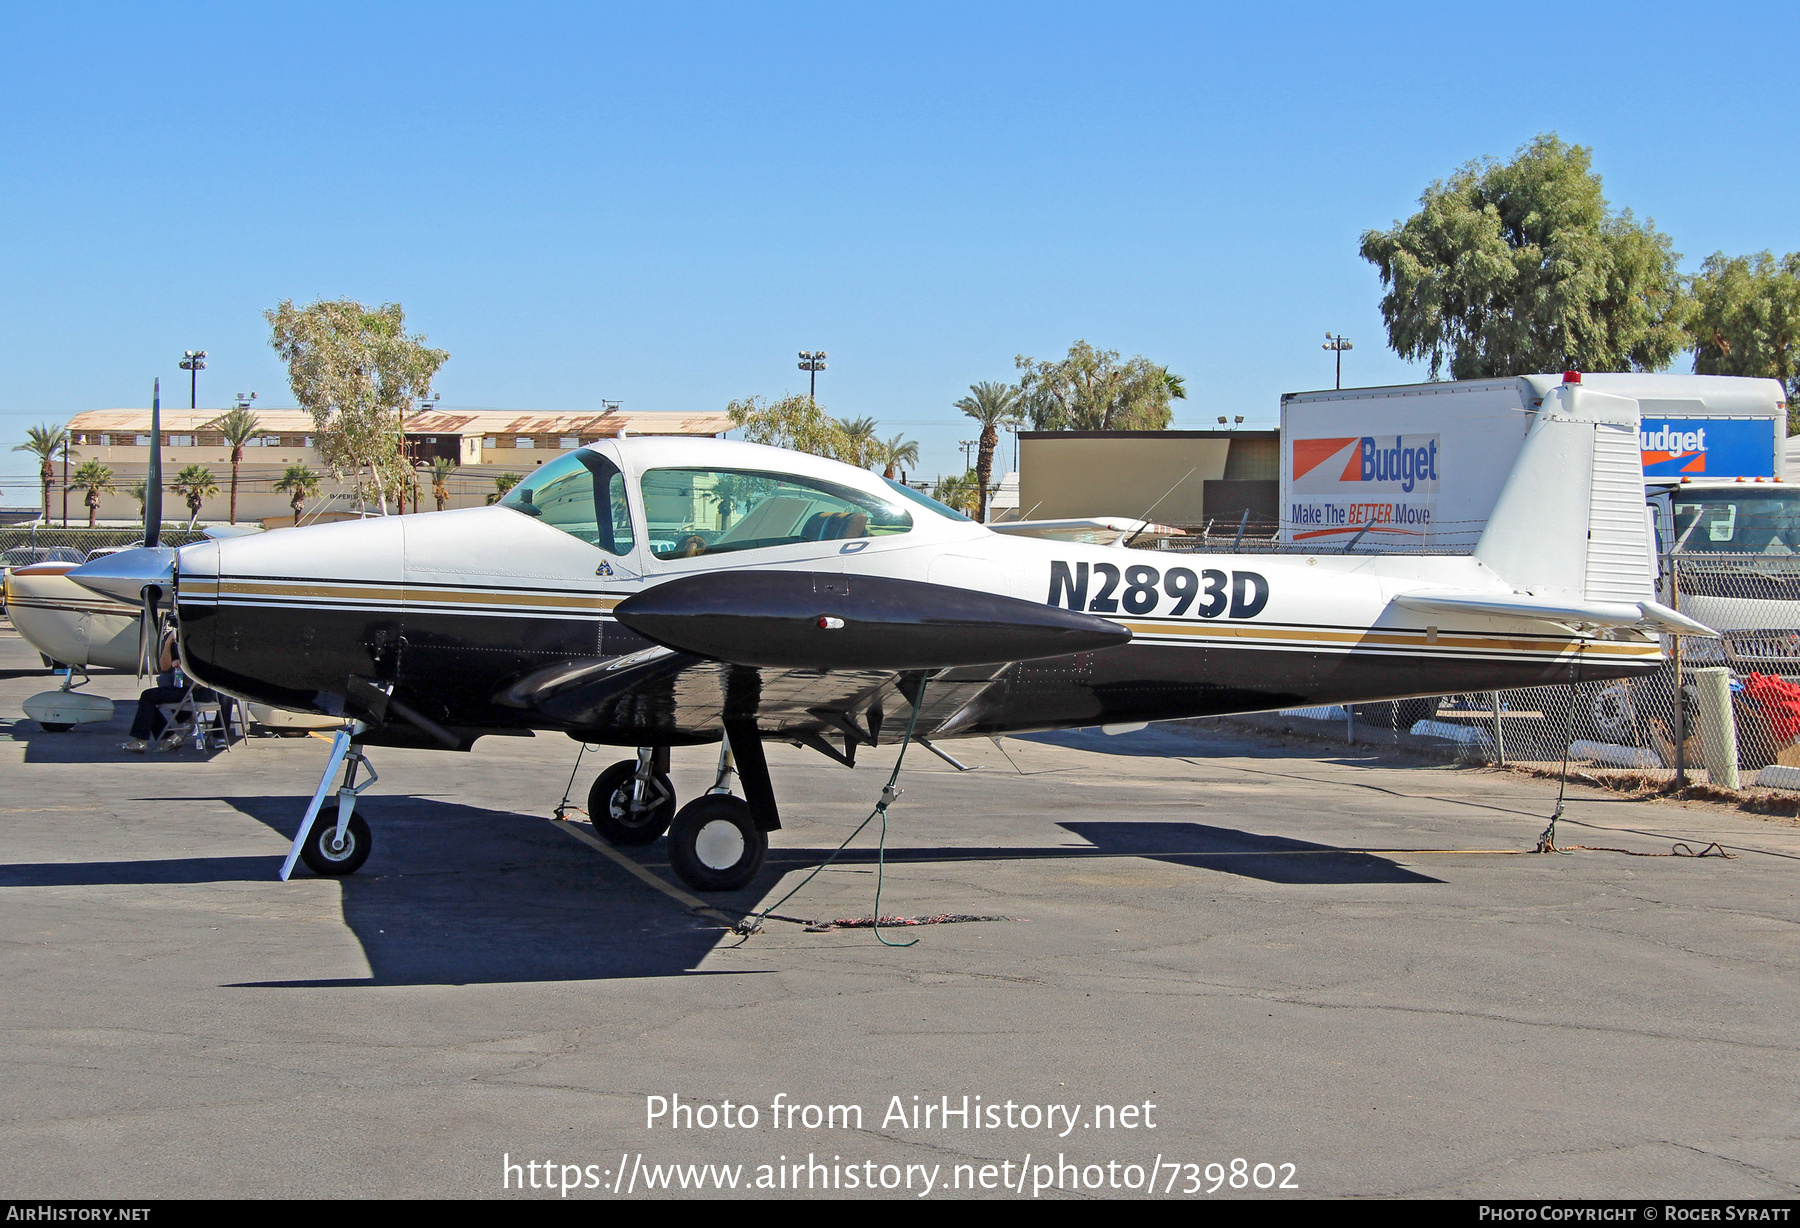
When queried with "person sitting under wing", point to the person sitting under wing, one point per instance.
{"points": [[172, 686]]}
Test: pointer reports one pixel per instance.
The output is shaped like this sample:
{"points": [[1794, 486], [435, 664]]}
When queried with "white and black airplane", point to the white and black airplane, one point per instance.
{"points": [[658, 592]]}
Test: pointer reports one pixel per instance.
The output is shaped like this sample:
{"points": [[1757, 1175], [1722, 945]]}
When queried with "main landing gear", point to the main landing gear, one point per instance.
{"points": [[717, 842]]}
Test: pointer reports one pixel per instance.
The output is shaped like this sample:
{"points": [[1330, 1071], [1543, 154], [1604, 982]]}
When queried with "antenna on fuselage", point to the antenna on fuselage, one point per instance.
{"points": [[1145, 518]]}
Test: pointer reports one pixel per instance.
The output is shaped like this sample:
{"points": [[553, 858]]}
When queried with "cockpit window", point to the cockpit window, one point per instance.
{"points": [[583, 494], [691, 512], [1738, 522]]}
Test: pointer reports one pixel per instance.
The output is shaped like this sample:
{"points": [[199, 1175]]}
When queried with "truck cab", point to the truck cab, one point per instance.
{"points": [[1729, 553]]}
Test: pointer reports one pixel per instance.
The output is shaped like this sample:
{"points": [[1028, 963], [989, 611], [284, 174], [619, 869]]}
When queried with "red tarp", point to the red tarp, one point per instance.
{"points": [[1780, 703]]}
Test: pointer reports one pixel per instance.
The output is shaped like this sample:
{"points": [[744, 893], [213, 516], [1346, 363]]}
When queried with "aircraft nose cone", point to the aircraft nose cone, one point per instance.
{"points": [[123, 576]]}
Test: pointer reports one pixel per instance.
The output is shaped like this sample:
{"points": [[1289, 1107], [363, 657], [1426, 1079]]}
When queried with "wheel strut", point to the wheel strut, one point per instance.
{"points": [[345, 752]]}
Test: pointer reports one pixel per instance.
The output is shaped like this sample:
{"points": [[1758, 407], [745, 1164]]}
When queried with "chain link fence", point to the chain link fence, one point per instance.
{"points": [[38, 543], [1736, 723]]}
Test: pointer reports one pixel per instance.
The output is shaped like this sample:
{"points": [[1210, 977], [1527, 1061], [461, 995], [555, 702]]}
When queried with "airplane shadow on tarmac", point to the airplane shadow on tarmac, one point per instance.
{"points": [[460, 895]]}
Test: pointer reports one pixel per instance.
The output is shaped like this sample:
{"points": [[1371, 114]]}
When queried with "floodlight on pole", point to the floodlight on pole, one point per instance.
{"points": [[244, 399], [1339, 343], [813, 362], [193, 362]]}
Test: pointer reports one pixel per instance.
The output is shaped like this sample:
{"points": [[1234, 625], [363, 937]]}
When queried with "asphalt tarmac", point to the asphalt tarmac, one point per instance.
{"points": [[1248, 938]]}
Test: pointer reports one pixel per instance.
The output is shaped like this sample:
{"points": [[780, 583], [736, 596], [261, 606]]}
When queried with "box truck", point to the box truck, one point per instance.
{"points": [[1418, 467]]}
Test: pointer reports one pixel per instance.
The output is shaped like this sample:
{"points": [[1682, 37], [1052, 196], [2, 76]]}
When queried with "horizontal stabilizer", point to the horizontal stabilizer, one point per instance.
{"points": [[1521, 605], [832, 621]]}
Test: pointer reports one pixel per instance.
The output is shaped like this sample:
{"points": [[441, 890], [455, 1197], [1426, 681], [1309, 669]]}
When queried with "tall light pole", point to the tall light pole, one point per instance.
{"points": [[812, 361], [968, 446], [1340, 343], [193, 362]]}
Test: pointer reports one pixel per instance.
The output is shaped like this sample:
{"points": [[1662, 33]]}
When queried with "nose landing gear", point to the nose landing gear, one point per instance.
{"points": [[339, 845]]}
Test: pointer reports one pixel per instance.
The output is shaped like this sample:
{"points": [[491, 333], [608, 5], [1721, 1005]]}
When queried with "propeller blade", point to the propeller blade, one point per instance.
{"points": [[153, 475]]}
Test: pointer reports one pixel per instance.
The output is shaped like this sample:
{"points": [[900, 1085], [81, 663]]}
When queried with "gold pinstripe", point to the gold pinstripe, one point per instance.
{"points": [[1446, 643]]}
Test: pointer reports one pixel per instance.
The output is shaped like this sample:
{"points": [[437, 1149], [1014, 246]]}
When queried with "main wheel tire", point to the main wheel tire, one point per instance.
{"points": [[319, 855], [54, 726], [1399, 715], [714, 844], [610, 810]]}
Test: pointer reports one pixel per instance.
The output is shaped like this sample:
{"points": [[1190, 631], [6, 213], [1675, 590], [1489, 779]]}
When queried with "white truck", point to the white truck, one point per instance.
{"points": [[1419, 467]]}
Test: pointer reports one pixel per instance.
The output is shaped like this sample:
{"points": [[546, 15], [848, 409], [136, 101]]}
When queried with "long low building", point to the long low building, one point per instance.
{"points": [[483, 444]]}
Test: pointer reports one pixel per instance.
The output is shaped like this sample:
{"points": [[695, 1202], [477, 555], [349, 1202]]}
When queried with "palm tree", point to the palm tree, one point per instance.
{"points": [[141, 492], [97, 480], [300, 482], [958, 491], [441, 469], [894, 453], [860, 432], [45, 442], [994, 406], [197, 485], [1176, 384], [503, 485], [239, 427]]}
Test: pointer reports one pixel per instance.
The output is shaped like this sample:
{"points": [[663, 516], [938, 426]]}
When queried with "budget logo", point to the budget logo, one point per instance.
{"points": [[1708, 447], [1389, 464], [1356, 487], [1667, 448]]}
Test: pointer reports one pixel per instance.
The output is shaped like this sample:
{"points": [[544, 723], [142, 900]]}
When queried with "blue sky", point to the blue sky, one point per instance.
{"points": [[661, 204]]}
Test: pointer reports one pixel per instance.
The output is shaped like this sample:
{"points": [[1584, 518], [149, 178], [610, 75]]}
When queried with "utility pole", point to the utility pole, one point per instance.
{"points": [[1340, 343], [968, 446], [812, 361], [193, 362]]}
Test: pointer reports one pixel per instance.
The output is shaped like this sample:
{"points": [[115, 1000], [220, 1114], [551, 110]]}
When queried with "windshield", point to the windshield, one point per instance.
{"points": [[1737, 521], [924, 500], [565, 493], [691, 512]]}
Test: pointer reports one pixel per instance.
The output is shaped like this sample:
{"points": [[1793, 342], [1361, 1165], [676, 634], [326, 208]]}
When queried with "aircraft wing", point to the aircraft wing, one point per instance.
{"points": [[804, 655], [1647, 614], [688, 697], [1092, 530]]}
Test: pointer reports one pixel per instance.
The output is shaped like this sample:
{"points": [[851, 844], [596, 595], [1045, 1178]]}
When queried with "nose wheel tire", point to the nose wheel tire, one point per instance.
{"points": [[714, 844], [324, 856], [613, 815]]}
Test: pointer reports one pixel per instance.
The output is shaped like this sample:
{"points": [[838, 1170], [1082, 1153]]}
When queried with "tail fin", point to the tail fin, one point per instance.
{"points": [[1570, 522]]}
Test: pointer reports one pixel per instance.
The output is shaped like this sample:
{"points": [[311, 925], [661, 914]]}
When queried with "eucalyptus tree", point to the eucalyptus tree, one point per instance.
{"points": [[96, 479], [994, 406], [239, 426], [1746, 321], [1521, 266], [354, 368], [45, 442], [792, 422], [1092, 390]]}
